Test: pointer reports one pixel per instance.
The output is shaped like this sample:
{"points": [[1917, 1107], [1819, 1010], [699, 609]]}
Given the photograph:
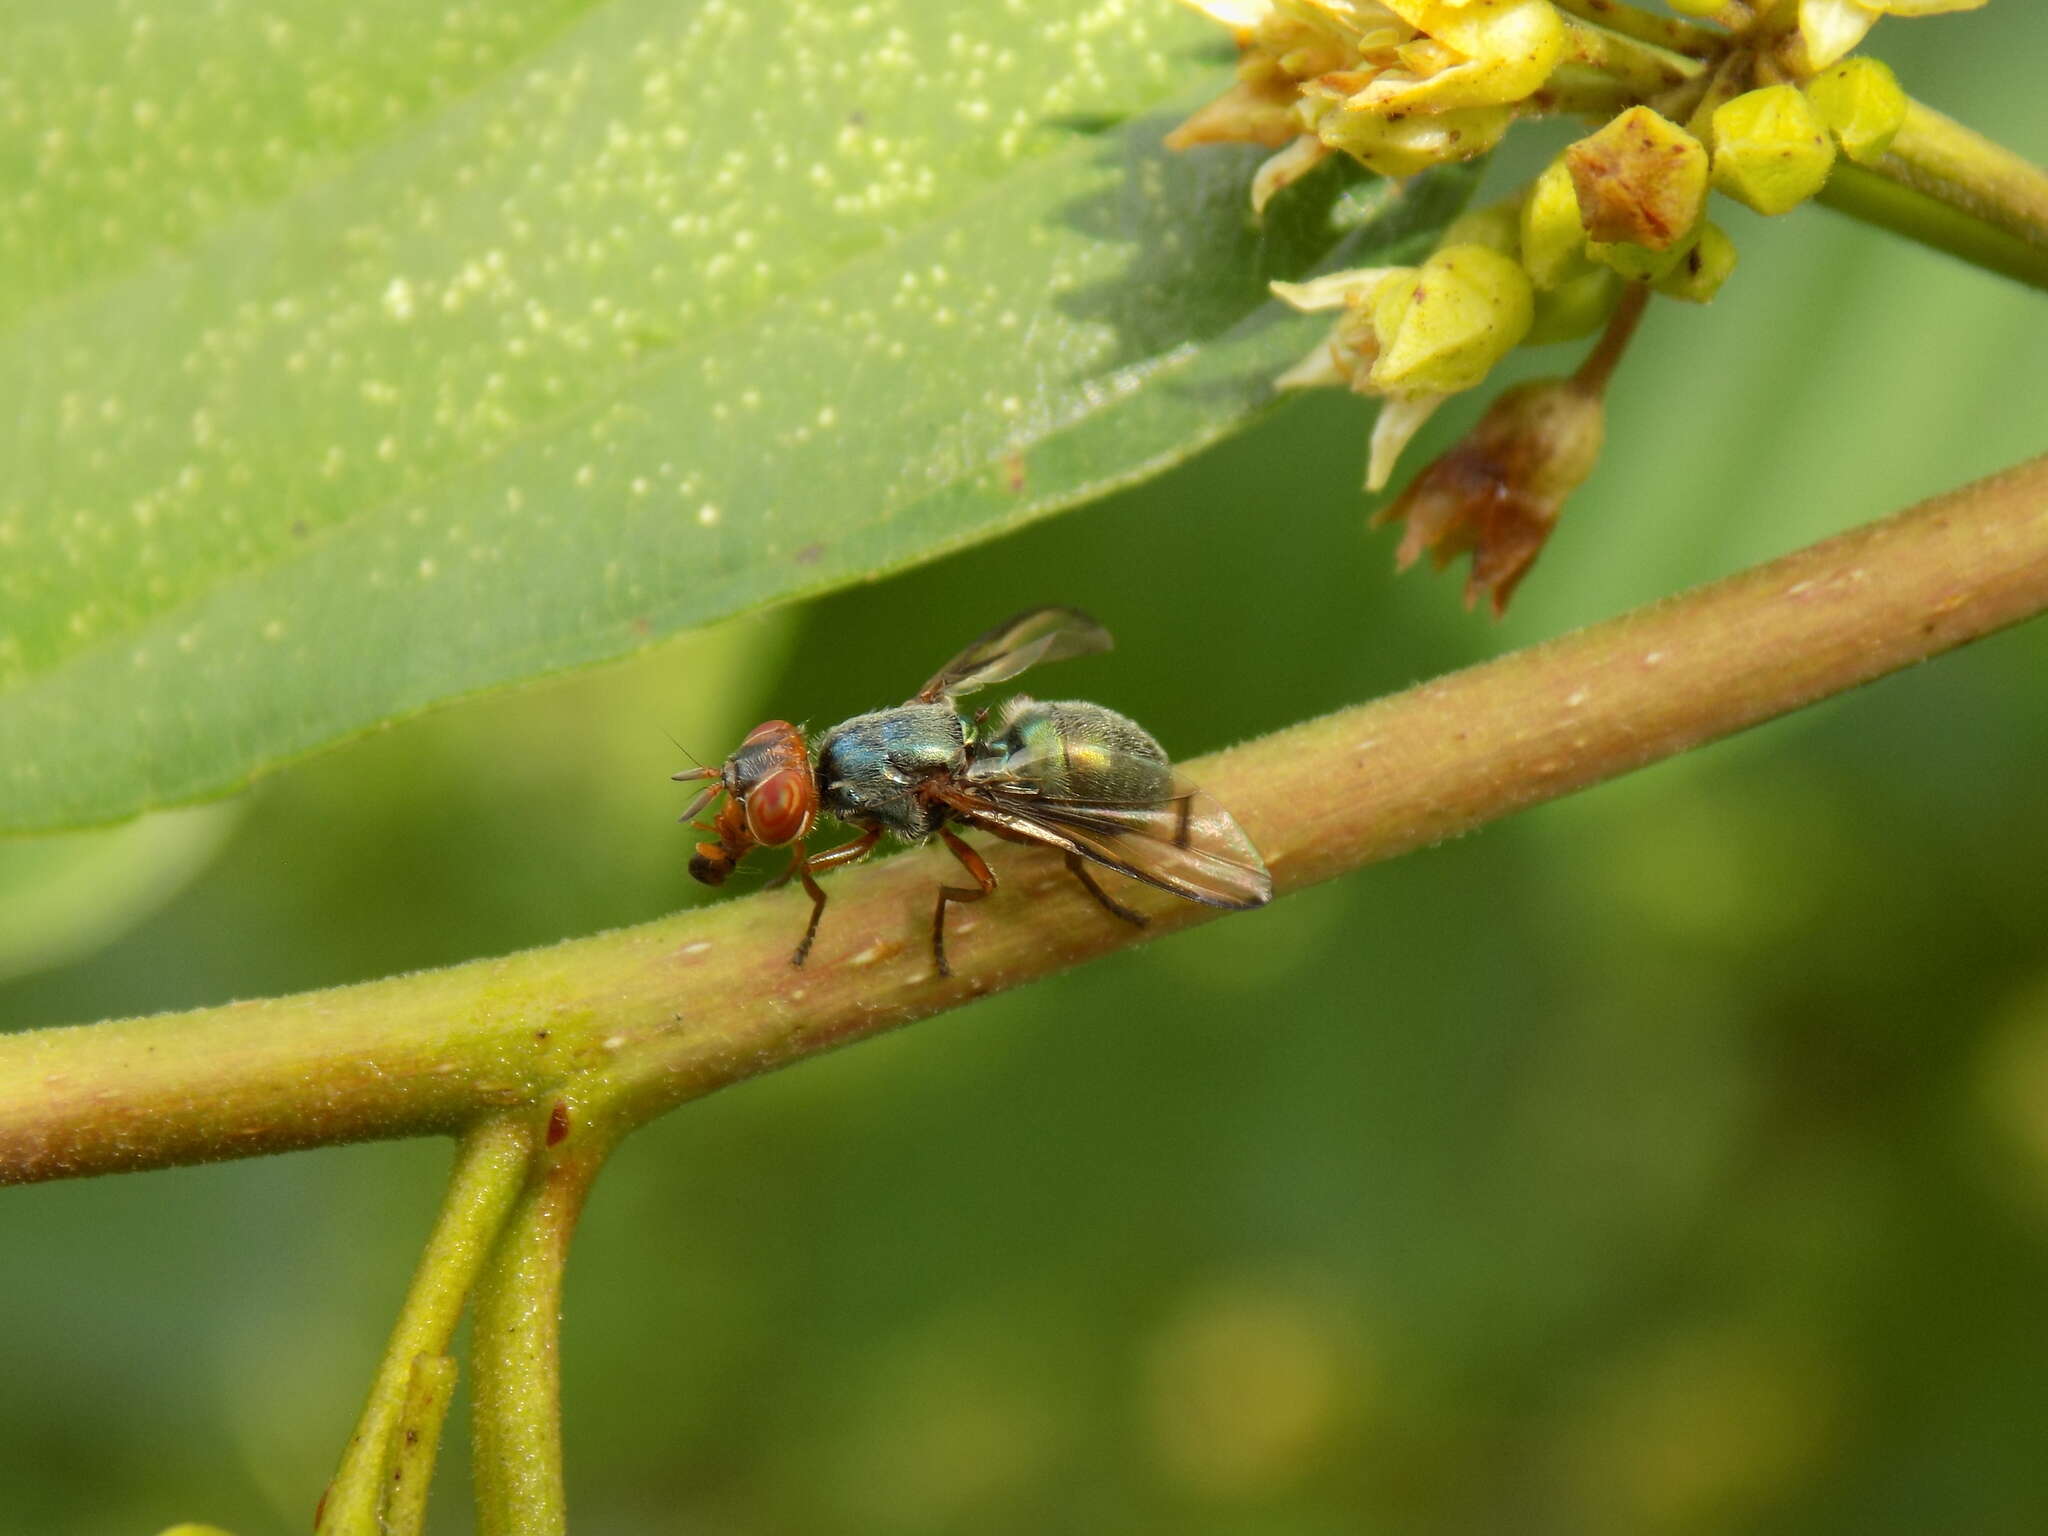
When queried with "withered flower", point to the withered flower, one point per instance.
{"points": [[1497, 494], [1641, 178]]}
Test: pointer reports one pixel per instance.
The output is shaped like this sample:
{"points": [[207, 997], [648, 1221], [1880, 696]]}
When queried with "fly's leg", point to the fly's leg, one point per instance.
{"points": [[804, 867], [1110, 905], [985, 885]]}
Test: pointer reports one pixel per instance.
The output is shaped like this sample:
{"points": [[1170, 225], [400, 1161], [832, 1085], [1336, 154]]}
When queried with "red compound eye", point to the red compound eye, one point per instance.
{"points": [[779, 808]]}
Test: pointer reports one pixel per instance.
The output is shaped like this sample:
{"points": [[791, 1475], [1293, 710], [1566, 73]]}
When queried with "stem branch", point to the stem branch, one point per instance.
{"points": [[1877, 200], [626, 1024], [490, 1166], [409, 1471], [516, 1348], [1951, 188], [1935, 154]]}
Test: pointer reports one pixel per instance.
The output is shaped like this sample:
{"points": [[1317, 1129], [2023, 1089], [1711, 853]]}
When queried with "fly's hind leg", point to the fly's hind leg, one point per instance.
{"points": [[803, 867], [1110, 904], [985, 885], [800, 866]]}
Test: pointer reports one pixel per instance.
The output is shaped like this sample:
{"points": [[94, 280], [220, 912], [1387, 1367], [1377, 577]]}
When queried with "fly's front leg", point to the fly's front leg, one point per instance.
{"points": [[1109, 904], [985, 885], [803, 867]]}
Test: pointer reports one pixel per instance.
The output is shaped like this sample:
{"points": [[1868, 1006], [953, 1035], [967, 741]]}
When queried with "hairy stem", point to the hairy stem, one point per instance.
{"points": [[1937, 155], [516, 1345], [1951, 188], [1892, 205], [1597, 370], [490, 1166], [626, 1024], [409, 1469]]}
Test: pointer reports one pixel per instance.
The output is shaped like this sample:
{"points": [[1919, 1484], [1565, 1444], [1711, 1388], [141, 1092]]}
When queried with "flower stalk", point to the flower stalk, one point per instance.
{"points": [[491, 1164]]}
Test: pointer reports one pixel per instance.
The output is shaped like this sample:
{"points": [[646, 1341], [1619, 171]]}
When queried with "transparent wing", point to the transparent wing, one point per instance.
{"points": [[1186, 844], [1039, 634]]}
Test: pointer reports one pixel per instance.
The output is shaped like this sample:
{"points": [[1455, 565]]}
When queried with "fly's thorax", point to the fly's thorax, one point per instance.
{"points": [[770, 747], [1070, 749], [870, 767]]}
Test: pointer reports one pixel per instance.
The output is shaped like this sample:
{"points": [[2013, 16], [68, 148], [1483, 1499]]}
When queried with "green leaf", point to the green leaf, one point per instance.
{"points": [[366, 356]]}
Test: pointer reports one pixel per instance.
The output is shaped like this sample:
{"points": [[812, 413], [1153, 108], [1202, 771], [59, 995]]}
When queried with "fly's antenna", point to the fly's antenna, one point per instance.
{"points": [[682, 749]]}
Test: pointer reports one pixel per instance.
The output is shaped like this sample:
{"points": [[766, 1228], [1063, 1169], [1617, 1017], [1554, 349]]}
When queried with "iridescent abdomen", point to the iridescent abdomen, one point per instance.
{"points": [[1072, 750]]}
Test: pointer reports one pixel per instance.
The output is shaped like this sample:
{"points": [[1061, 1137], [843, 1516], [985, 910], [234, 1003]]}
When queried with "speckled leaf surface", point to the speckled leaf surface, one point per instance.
{"points": [[361, 357]]}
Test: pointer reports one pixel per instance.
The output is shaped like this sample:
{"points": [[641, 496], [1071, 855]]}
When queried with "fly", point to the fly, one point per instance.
{"points": [[1068, 775]]}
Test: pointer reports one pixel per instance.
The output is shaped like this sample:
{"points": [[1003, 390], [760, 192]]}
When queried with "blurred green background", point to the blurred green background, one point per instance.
{"points": [[1674, 1159]]}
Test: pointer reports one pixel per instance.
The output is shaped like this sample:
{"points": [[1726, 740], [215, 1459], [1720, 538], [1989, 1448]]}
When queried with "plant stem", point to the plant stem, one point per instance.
{"points": [[410, 1468], [1951, 188], [516, 1348], [635, 1021], [1593, 374], [1876, 199], [1937, 155], [490, 1166]]}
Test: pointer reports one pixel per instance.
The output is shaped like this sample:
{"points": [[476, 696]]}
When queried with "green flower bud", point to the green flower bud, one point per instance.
{"points": [[1638, 263], [1641, 178], [1701, 271], [1553, 236], [1575, 308], [1441, 330], [1861, 103], [1770, 150]]}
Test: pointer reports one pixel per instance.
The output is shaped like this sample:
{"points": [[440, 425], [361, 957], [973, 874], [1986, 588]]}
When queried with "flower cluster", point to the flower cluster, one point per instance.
{"points": [[1757, 108], [1400, 85]]}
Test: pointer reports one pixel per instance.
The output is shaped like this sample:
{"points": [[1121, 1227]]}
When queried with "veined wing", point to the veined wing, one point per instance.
{"points": [[1038, 634], [1186, 844]]}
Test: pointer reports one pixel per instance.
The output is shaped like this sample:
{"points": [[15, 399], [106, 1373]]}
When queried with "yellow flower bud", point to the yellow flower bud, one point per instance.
{"points": [[1830, 28], [1553, 235], [1704, 267], [1442, 329], [1640, 179], [1861, 103], [1698, 7], [1499, 51], [1770, 150], [1409, 145]]}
